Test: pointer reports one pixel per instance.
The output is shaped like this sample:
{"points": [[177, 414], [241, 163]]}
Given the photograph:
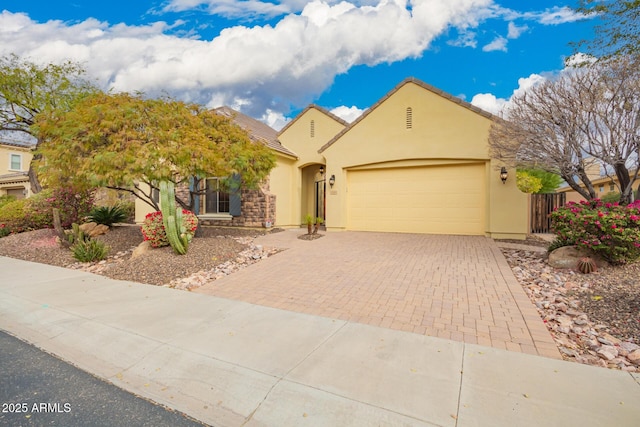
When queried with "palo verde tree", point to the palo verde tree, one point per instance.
{"points": [[27, 88], [121, 140], [585, 119]]}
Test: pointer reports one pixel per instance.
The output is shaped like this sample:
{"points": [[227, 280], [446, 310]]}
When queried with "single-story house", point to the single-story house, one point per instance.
{"points": [[15, 158], [417, 161]]}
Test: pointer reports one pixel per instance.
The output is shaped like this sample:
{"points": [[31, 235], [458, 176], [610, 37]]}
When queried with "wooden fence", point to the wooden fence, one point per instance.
{"points": [[541, 206]]}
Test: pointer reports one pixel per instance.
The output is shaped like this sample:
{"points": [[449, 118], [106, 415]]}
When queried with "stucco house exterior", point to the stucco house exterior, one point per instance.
{"points": [[15, 158], [417, 161], [601, 183]]}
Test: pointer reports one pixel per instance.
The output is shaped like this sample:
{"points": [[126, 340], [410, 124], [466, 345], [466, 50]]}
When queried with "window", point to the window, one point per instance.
{"points": [[409, 118], [15, 162], [601, 188], [216, 201], [313, 129], [612, 187]]}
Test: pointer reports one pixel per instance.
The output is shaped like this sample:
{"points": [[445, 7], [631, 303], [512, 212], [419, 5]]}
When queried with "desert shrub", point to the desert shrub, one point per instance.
{"points": [[608, 229], [107, 215], [12, 216], [153, 228], [6, 199], [73, 205], [89, 250]]}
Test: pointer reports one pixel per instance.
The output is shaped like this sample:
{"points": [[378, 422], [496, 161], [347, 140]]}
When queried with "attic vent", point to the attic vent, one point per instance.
{"points": [[313, 129], [409, 117]]}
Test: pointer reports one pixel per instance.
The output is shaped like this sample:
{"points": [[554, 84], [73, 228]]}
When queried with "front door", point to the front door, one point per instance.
{"points": [[320, 202]]}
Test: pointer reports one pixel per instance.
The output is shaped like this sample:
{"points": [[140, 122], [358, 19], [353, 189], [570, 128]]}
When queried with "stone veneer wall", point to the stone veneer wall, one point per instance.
{"points": [[257, 207]]}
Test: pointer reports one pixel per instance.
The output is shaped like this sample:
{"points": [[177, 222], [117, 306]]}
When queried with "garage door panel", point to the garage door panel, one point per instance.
{"points": [[439, 200]]}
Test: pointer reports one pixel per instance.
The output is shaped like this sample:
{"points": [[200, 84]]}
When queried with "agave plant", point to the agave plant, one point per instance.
{"points": [[108, 215]]}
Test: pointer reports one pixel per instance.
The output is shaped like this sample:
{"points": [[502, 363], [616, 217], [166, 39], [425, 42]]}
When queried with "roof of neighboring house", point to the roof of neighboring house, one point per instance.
{"points": [[420, 83], [257, 130], [17, 143], [14, 178], [317, 107], [604, 179]]}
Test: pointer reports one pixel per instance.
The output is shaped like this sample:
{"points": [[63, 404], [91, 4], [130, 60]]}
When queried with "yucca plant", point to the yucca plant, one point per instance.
{"points": [[89, 250], [108, 215]]}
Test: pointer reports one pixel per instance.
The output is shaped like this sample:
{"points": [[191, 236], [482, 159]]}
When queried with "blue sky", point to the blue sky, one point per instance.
{"points": [[271, 59]]}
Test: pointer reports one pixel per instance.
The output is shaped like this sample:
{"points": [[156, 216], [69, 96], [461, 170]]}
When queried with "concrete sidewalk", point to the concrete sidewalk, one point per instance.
{"points": [[231, 363]]}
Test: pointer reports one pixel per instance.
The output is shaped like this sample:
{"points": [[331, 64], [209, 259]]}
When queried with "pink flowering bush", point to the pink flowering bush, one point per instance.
{"points": [[608, 229], [153, 227]]}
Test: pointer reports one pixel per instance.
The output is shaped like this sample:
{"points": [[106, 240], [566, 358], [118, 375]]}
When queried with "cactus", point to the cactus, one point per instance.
{"points": [[586, 265], [172, 219], [76, 235]]}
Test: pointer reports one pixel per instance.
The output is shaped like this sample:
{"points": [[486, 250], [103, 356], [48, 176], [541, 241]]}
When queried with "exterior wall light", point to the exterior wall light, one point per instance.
{"points": [[332, 180], [321, 170], [503, 174]]}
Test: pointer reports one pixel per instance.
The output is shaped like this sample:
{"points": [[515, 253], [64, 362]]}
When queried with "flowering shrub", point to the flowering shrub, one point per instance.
{"points": [[153, 228], [608, 229], [73, 206]]}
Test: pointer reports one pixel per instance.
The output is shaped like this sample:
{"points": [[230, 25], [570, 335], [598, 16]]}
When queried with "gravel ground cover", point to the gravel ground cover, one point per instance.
{"points": [[157, 267]]}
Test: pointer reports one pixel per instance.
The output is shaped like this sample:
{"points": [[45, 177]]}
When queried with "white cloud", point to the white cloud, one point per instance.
{"points": [[488, 102], [348, 114], [514, 31], [258, 68], [499, 43], [499, 106]]}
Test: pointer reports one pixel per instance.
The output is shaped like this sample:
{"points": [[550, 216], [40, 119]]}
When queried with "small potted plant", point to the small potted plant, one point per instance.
{"points": [[317, 225], [308, 219]]}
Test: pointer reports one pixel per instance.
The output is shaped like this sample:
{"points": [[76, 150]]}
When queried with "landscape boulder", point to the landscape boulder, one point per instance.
{"points": [[568, 256]]}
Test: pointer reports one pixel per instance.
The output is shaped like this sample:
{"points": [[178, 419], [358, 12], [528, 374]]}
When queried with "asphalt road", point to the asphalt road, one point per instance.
{"points": [[38, 389]]}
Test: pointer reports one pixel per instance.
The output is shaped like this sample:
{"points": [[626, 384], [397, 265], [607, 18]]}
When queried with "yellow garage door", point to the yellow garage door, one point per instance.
{"points": [[435, 199]]}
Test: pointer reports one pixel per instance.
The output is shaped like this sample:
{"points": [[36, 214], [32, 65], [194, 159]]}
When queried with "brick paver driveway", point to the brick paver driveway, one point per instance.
{"points": [[454, 287]]}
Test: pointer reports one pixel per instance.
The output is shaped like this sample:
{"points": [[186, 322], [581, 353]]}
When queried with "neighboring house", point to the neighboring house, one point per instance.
{"points": [[15, 158], [417, 161], [603, 186]]}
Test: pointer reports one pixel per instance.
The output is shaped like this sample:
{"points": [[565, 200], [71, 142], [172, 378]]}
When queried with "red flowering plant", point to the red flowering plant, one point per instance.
{"points": [[153, 227], [608, 229], [5, 230]]}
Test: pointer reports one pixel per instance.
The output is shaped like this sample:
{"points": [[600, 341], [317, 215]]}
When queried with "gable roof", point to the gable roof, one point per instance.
{"points": [[316, 107], [257, 130], [406, 81]]}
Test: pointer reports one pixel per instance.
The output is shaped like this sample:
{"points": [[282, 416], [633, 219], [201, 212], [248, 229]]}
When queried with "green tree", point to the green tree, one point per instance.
{"points": [[549, 181], [27, 89], [121, 140], [528, 183], [618, 34]]}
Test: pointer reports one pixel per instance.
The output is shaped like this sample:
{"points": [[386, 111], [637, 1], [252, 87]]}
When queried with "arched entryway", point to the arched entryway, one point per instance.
{"points": [[313, 201]]}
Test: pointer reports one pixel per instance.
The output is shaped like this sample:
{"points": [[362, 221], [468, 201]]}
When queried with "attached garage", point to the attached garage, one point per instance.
{"points": [[445, 199]]}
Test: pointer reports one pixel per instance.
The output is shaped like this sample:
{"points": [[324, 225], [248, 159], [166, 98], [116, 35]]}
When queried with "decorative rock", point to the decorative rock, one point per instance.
{"points": [[568, 256], [142, 248], [607, 352], [98, 230], [88, 227], [578, 339], [634, 357]]}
